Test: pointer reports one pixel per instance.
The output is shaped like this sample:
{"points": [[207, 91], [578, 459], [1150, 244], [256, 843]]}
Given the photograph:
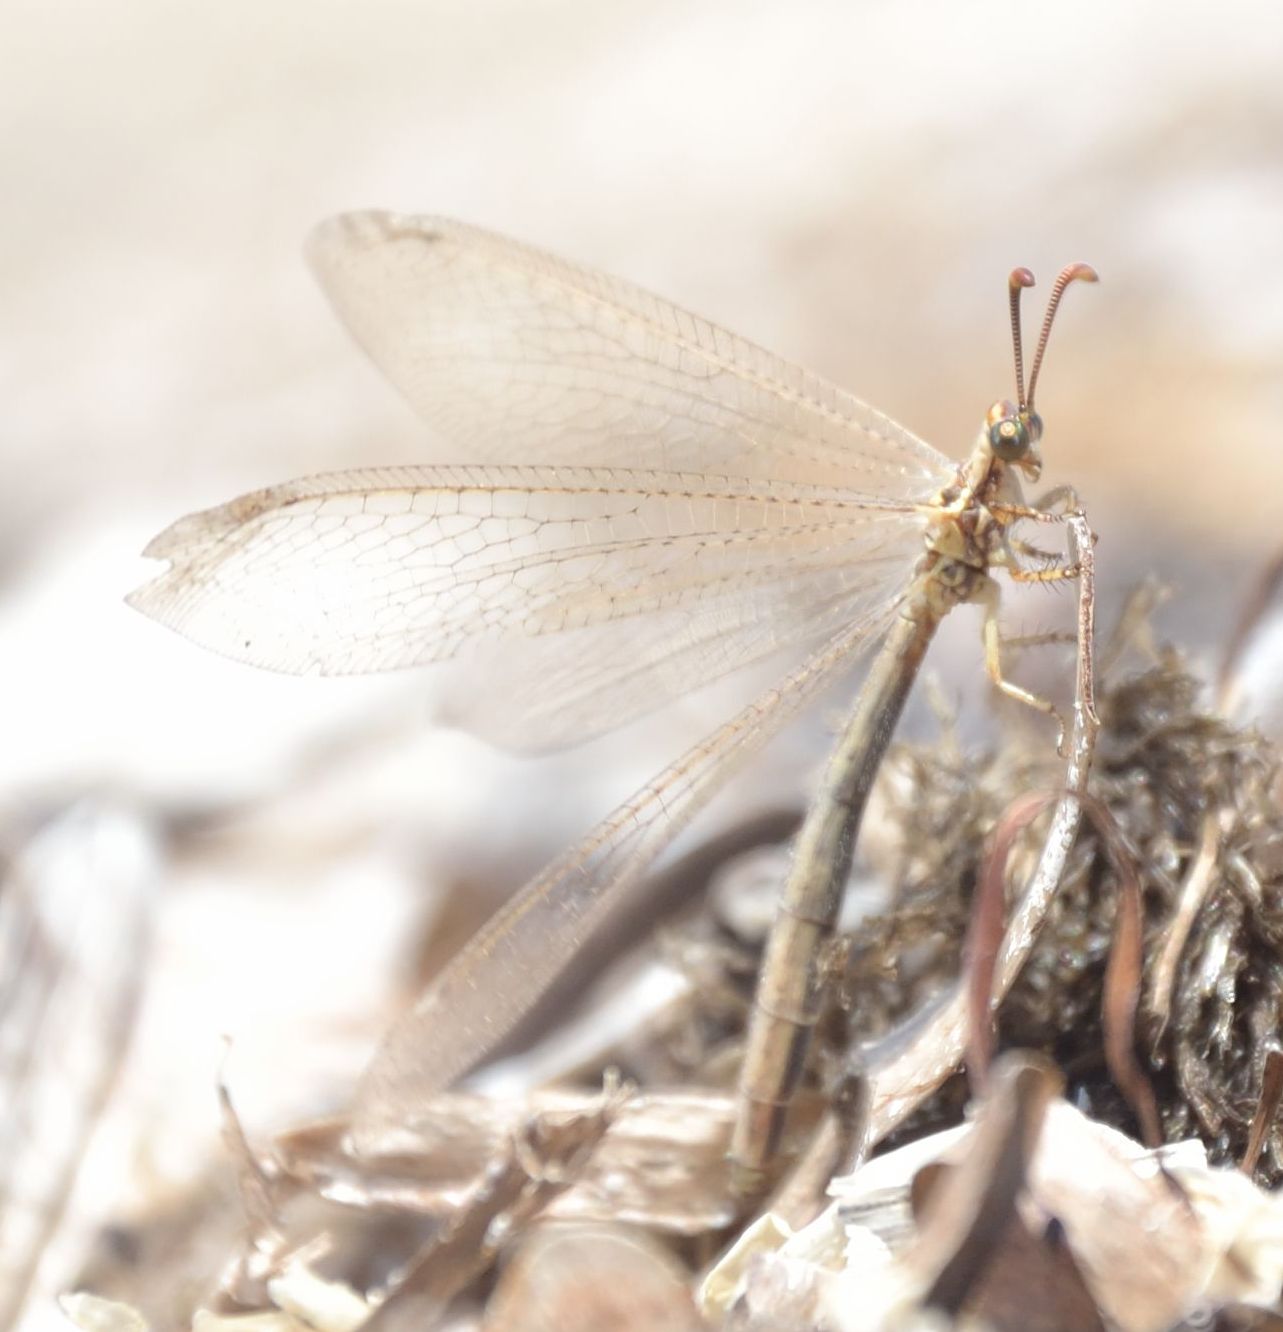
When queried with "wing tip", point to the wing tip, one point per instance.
{"points": [[365, 230], [155, 601], [139, 600], [159, 601], [184, 538], [161, 545]]}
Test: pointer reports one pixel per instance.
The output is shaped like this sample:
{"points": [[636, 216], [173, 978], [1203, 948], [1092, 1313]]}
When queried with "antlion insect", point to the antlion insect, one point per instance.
{"points": [[691, 505]]}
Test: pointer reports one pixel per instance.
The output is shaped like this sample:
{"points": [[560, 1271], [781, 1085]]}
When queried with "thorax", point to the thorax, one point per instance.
{"points": [[964, 536]]}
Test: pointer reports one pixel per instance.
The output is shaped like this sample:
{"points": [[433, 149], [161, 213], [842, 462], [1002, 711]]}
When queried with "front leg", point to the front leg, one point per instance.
{"points": [[1056, 505], [1051, 570], [1056, 573], [1014, 547], [1060, 500]]}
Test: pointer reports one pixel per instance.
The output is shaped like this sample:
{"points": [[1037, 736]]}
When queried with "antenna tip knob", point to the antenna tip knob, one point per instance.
{"points": [[1079, 273]]}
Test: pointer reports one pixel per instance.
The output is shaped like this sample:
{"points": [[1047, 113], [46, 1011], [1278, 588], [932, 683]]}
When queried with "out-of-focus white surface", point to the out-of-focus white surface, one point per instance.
{"points": [[847, 183], [76, 917]]}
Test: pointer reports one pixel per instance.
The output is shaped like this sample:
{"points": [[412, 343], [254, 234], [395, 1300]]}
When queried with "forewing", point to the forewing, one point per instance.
{"points": [[580, 596], [504, 968], [514, 355]]}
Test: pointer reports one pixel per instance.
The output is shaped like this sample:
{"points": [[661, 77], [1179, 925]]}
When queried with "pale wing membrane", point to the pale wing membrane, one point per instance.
{"points": [[649, 584], [572, 686], [487, 987], [504, 348]]}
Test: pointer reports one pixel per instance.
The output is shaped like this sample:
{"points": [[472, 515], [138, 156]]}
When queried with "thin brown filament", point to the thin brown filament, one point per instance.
{"points": [[1020, 279], [1071, 273]]}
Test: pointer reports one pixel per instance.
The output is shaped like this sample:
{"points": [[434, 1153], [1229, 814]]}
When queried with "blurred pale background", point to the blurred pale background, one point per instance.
{"points": [[847, 183]]}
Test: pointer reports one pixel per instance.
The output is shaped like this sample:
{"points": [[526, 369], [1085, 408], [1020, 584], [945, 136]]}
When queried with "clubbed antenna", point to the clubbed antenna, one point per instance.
{"points": [[1071, 273], [1020, 279]]}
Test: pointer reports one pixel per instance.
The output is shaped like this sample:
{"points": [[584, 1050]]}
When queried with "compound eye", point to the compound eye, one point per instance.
{"points": [[1010, 438]]}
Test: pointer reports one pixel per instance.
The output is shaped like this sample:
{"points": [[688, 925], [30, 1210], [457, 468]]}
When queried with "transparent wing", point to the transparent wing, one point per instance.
{"points": [[487, 987], [628, 588], [515, 355], [570, 687]]}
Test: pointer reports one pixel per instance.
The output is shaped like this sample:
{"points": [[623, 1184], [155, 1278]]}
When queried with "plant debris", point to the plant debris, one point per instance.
{"points": [[599, 1202], [1211, 994]]}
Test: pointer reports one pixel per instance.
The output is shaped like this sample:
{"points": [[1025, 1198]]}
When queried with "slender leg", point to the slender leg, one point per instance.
{"points": [[1066, 497], [1014, 546], [989, 599], [1059, 505], [1056, 505], [1058, 573], [1052, 636]]}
